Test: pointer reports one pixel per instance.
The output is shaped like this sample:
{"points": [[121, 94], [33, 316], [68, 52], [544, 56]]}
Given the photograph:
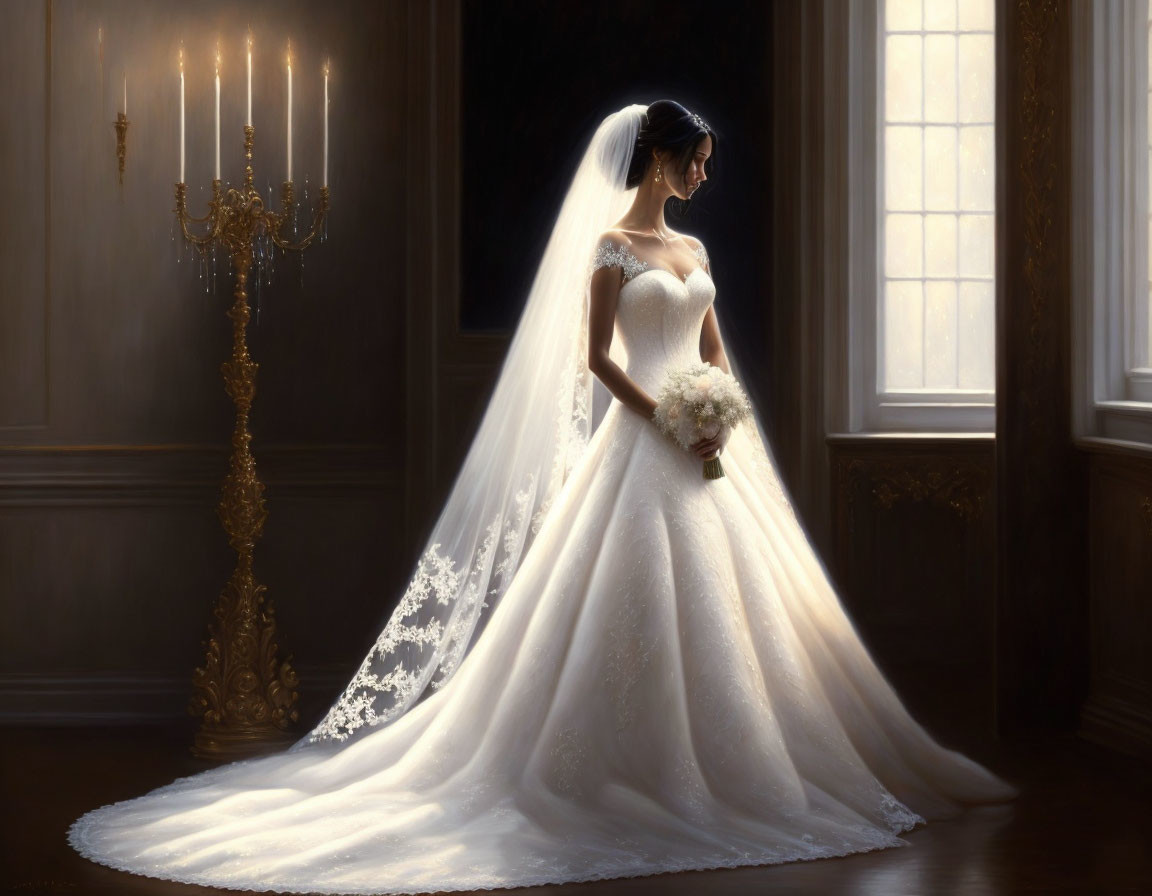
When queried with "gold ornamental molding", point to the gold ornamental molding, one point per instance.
{"points": [[957, 485]]}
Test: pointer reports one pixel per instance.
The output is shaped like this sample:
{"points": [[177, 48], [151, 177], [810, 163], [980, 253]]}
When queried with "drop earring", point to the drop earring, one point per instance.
{"points": [[657, 178]]}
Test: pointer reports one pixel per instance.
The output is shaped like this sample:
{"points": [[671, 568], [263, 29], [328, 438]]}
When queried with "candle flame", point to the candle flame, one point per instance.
{"points": [[289, 53], [217, 58], [100, 44], [327, 67], [181, 58], [249, 38]]}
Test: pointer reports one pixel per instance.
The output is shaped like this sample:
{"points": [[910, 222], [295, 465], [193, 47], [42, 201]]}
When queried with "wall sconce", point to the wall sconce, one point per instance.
{"points": [[121, 126]]}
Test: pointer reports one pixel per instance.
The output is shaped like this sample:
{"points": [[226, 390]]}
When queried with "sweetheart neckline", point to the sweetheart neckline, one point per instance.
{"points": [[684, 280]]}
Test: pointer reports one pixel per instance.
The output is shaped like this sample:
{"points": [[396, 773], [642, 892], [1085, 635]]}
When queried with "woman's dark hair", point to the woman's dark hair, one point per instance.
{"points": [[668, 125]]}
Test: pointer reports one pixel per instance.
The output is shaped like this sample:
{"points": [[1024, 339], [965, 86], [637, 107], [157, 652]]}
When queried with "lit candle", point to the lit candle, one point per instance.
{"points": [[181, 114], [248, 120], [324, 182], [217, 111], [289, 178]]}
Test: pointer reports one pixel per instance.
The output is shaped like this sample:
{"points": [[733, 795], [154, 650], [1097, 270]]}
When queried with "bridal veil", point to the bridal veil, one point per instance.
{"points": [[545, 407]]}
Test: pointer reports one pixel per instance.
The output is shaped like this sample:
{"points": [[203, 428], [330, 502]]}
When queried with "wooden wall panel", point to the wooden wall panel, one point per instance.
{"points": [[24, 68], [913, 524], [1118, 711], [1042, 646], [110, 561]]}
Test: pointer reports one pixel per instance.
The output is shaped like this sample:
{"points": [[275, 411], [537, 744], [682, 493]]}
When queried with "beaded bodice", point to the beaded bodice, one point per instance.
{"points": [[658, 313]]}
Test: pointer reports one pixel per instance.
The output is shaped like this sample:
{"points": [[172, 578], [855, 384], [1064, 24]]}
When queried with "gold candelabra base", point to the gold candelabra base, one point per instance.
{"points": [[244, 693]]}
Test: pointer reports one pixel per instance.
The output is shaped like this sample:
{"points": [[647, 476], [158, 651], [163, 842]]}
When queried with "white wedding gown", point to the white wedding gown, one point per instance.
{"points": [[668, 683]]}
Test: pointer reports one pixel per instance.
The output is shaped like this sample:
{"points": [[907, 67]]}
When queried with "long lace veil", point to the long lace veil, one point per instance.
{"points": [[542, 412]]}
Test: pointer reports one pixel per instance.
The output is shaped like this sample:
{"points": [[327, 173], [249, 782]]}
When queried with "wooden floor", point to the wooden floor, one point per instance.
{"points": [[1082, 825]]}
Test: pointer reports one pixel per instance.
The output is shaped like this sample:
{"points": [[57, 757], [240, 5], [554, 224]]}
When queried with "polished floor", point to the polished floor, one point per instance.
{"points": [[1082, 825]]}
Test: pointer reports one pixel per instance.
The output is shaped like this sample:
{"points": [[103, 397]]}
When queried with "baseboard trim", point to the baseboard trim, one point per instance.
{"points": [[51, 700], [1118, 725]]}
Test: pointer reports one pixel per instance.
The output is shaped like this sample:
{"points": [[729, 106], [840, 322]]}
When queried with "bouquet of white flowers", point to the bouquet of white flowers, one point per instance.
{"points": [[697, 402]]}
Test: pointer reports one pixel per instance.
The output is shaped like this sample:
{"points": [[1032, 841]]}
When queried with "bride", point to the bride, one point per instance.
{"points": [[605, 665]]}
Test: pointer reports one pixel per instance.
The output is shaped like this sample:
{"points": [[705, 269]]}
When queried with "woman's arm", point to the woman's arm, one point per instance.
{"points": [[605, 292], [711, 348], [712, 351]]}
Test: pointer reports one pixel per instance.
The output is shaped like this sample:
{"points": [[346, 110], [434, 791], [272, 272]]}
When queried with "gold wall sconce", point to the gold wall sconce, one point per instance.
{"points": [[121, 126]]}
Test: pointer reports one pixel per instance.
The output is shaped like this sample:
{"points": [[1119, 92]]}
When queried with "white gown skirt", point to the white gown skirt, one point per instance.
{"points": [[668, 683]]}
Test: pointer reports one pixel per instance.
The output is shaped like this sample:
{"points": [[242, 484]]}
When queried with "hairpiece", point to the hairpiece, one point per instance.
{"points": [[699, 122]]}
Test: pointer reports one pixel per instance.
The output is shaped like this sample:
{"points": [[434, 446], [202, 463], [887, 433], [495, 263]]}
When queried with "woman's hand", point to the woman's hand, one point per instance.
{"points": [[708, 448]]}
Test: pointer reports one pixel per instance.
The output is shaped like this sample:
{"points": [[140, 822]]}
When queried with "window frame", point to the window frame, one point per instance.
{"points": [[871, 408], [1110, 227]]}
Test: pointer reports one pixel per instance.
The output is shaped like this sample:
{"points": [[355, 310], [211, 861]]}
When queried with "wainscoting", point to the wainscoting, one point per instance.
{"points": [[1118, 711], [111, 559], [913, 524]]}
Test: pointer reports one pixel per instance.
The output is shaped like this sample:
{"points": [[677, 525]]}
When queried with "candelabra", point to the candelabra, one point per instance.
{"points": [[245, 695]]}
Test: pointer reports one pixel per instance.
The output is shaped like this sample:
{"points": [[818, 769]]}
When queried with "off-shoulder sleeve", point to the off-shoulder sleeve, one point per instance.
{"points": [[702, 256], [610, 254]]}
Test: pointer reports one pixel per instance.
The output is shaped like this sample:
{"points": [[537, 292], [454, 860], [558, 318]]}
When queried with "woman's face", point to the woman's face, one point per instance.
{"points": [[684, 186]]}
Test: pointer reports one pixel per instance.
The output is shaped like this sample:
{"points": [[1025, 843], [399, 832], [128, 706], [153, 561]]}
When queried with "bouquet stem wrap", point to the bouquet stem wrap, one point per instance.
{"points": [[713, 469]]}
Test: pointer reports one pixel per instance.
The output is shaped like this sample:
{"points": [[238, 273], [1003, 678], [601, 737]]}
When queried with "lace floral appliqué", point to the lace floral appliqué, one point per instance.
{"points": [[435, 581], [702, 257], [610, 255]]}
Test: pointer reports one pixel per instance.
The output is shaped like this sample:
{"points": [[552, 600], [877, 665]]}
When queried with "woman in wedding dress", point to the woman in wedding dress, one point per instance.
{"points": [[605, 665]]}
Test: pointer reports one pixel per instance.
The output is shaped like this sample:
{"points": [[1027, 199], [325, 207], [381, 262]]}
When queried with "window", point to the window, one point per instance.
{"points": [[935, 298], [1112, 205]]}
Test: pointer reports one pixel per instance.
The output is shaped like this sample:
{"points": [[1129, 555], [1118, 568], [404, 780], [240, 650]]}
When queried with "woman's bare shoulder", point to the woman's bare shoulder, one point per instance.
{"points": [[616, 237], [693, 243]]}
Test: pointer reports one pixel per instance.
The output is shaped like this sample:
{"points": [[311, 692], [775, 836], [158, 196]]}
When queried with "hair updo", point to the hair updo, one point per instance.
{"points": [[668, 125]]}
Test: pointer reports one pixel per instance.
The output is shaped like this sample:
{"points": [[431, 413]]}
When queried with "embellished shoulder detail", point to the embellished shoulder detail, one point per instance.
{"points": [[701, 254], [610, 255]]}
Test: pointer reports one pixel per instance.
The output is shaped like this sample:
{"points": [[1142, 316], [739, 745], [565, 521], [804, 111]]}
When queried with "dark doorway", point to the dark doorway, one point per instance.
{"points": [[537, 78]]}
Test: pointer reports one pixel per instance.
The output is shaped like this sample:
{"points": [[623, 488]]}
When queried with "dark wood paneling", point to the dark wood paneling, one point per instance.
{"points": [[24, 215], [111, 558], [1118, 711], [1042, 648], [796, 409], [913, 527]]}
